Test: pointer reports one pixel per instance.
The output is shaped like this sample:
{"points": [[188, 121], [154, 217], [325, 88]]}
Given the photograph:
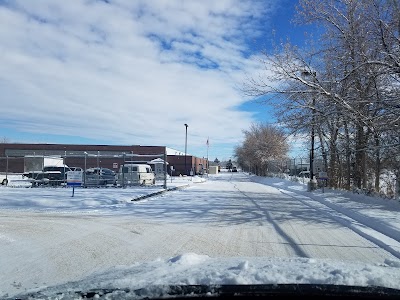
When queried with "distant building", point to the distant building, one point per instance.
{"points": [[12, 156]]}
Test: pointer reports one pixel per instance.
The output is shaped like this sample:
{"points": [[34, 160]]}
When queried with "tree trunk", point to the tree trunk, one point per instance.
{"points": [[323, 149], [359, 168], [377, 163], [348, 158], [398, 184], [333, 173]]}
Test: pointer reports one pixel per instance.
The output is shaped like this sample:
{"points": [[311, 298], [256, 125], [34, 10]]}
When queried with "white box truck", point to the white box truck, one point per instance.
{"points": [[37, 163], [45, 170]]}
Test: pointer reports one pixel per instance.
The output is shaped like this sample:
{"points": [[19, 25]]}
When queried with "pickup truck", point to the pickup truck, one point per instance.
{"points": [[50, 175]]}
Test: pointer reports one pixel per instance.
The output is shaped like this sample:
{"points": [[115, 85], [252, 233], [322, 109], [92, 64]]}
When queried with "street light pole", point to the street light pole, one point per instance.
{"points": [[186, 125], [311, 184]]}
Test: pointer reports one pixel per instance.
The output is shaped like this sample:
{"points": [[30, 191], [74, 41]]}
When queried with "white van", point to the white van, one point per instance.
{"points": [[134, 174]]}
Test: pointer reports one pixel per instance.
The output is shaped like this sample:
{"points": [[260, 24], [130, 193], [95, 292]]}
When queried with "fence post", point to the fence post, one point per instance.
{"points": [[165, 169], [64, 179], [123, 174], [98, 169], [84, 171], [7, 171]]}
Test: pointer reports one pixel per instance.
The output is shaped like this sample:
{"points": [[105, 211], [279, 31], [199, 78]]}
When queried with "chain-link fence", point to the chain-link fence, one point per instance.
{"points": [[93, 168]]}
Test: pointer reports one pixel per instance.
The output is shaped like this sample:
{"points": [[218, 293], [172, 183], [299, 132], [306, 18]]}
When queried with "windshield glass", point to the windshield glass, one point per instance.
{"points": [[155, 144]]}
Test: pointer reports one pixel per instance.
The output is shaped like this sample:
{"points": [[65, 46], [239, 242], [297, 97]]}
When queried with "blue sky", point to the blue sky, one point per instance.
{"points": [[134, 72]]}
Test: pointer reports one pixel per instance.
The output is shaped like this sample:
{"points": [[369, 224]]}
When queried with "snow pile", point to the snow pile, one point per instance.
{"points": [[193, 269]]}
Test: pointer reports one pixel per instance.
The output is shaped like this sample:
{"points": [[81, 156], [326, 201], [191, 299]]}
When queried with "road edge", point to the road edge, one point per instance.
{"points": [[160, 192]]}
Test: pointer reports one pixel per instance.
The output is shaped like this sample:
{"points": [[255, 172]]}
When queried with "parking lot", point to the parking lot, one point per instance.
{"points": [[18, 180]]}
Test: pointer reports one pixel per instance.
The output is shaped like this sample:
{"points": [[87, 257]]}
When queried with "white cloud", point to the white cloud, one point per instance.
{"points": [[127, 72]]}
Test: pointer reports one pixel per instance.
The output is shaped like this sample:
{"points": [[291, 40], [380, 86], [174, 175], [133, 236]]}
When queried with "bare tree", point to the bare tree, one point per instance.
{"points": [[5, 140], [351, 93], [263, 145]]}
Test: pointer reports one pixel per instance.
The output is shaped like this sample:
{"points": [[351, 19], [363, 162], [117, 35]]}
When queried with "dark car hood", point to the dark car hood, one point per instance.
{"points": [[286, 291]]}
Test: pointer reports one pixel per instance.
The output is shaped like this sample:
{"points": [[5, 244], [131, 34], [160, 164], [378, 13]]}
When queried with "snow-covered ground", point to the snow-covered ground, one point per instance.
{"points": [[18, 194], [233, 228]]}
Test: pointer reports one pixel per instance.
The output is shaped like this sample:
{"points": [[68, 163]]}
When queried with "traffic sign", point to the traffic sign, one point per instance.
{"points": [[74, 178], [323, 175]]}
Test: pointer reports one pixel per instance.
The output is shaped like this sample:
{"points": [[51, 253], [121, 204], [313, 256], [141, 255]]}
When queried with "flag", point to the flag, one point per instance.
{"points": [[207, 142]]}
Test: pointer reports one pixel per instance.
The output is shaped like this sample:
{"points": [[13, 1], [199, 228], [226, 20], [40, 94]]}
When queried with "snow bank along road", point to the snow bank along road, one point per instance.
{"points": [[227, 216]]}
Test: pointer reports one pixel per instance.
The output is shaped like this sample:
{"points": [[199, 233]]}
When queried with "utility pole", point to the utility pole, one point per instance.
{"points": [[312, 142]]}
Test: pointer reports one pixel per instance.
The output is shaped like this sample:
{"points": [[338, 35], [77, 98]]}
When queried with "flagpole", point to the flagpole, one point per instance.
{"points": [[208, 165]]}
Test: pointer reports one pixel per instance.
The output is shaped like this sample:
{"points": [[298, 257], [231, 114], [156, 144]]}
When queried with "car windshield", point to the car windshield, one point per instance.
{"points": [[157, 148]]}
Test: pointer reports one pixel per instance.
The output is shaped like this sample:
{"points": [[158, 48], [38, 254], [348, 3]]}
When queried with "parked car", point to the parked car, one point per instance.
{"points": [[134, 174], [52, 175], [99, 176], [234, 169], [76, 169], [304, 174], [56, 175]]}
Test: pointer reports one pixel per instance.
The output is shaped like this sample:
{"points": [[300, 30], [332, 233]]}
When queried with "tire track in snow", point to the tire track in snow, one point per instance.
{"points": [[290, 241], [386, 240]]}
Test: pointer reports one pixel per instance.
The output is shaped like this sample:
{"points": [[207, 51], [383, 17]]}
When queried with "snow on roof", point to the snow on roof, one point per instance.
{"points": [[157, 161], [171, 151]]}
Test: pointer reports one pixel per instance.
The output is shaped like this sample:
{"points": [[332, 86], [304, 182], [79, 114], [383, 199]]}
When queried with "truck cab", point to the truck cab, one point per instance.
{"points": [[52, 175]]}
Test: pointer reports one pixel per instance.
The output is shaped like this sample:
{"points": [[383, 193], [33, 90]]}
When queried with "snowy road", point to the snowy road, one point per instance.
{"points": [[227, 216]]}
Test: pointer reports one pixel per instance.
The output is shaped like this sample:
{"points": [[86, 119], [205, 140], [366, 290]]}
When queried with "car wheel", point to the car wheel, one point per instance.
{"points": [[4, 182]]}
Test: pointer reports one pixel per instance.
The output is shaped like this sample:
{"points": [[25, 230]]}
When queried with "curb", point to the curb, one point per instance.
{"points": [[161, 192]]}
